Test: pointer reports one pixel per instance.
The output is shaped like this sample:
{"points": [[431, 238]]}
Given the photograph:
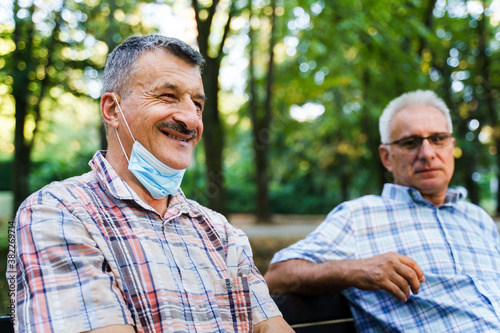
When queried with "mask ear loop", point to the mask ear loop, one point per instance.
{"points": [[116, 131]]}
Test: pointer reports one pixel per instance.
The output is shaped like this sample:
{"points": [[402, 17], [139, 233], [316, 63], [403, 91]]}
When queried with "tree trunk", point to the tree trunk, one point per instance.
{"points": [[261, 123], [213, 140], [213, 136], [22, 163]]}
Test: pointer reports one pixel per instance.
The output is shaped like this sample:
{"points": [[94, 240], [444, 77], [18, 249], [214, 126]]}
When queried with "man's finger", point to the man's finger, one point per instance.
{"points": [[396, 291], [401, 283], [409, 276], [413, 265]]}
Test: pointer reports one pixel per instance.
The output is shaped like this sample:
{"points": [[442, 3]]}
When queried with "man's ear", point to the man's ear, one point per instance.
{"points": [[385, 153], [109, 109]]}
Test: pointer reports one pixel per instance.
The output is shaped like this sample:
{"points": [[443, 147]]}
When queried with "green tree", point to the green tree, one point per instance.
{"points": [[213, 137], [261, 116], [54, 47]]}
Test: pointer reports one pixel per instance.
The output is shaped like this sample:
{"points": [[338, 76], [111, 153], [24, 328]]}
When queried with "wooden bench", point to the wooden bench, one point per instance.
{"points": [[316, 314]]}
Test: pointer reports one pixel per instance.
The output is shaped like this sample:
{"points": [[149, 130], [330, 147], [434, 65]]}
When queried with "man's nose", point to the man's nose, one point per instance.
{"points": [[188, 114], [426, 149]]}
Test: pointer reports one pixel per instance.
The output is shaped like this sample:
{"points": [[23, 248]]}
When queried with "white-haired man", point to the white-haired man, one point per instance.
{"points": [[419, 235]]}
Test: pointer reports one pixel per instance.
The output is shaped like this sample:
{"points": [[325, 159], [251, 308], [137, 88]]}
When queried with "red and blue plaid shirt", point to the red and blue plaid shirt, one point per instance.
{"points": [[91, 253]]}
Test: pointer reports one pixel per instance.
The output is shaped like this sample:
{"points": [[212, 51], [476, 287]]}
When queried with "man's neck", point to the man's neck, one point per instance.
{"points": [[437, 199], [120, 165]]}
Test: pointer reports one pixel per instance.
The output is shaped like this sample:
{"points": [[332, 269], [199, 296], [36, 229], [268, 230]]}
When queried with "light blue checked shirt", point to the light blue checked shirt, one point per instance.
{"points": [[457, 246]]}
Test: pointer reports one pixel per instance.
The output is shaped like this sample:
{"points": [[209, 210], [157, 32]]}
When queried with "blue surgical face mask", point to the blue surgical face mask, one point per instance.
{"points": [[159, 179]]}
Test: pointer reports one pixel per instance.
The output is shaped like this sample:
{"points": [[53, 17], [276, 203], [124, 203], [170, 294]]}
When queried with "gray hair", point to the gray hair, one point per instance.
{"points": [[414, 98], [120, 66]]}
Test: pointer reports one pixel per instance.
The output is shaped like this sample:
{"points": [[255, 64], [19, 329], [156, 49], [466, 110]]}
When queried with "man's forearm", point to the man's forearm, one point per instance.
{"points": [[392, 272], [304, 277]]}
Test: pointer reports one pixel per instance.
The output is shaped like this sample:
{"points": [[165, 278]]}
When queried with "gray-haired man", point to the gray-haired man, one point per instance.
{"points": [[121, 249]]}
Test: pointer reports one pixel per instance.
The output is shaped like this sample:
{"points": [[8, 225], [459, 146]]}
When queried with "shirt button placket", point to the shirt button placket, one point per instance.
{"points": [[459, 269]]}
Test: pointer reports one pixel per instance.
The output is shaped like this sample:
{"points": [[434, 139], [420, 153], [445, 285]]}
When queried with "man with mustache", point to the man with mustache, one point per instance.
{"points": [[418, 258], [121, 249]]}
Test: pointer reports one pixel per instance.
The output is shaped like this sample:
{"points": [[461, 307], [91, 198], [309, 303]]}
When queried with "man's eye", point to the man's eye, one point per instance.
{"points": [[410, 142], [438, 138], [199, 106]]}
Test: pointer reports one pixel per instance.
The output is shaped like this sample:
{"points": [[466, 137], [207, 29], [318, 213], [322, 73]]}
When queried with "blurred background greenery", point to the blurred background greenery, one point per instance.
{"points": [[294, 91]]}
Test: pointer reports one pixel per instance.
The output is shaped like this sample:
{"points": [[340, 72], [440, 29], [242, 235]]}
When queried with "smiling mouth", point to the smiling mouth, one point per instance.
{"points": [[176, 137], [185, 135]]}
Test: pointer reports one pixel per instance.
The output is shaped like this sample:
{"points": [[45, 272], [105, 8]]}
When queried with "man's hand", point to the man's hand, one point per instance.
{"points": [[392, 272], [273, 325]]}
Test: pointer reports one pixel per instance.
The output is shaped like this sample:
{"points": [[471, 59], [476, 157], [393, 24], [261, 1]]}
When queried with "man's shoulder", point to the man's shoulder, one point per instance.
{"points": [[369, 200], [198, 209], [367, 206], [214, 219], [472, 210], [61, 190]]}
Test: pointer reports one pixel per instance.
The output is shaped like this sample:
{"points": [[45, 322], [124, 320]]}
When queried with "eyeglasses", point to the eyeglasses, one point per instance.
{"points": [[437, 140]]}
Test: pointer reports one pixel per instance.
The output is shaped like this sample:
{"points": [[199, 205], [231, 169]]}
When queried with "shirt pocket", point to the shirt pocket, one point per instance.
{"points": [[233, 299]]}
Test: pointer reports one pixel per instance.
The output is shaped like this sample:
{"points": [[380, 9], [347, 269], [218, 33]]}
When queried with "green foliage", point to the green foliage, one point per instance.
{"points": [[47, 171], [352, 57], [49, 55]]}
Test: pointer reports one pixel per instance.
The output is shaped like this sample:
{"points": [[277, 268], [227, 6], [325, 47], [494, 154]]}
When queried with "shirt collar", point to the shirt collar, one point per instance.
{"points": [[115, 186], [408, 194]]}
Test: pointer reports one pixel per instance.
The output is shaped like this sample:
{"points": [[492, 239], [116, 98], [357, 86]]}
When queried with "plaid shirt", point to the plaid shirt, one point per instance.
{"points": [[456, 245], [90, 253]]}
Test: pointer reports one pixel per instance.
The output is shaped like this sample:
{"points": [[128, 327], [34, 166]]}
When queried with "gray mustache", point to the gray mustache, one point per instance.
{"points": [[179, 127]]}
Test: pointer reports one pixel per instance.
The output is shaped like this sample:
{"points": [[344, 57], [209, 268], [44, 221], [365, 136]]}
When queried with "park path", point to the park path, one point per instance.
{"points": [[282, 225]]}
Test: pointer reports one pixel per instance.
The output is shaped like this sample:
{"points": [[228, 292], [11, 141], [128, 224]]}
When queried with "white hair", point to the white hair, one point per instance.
{"points": [[414, 98]]}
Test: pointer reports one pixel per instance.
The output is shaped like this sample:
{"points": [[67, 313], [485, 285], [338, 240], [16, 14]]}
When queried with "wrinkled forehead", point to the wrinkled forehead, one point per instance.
{"points": [[418, 120], [159, 68]]}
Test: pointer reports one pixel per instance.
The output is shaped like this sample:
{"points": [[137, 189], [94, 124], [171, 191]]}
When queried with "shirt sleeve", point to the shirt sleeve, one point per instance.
{"points": [[63, 281], [240, 264], [333, 239]]}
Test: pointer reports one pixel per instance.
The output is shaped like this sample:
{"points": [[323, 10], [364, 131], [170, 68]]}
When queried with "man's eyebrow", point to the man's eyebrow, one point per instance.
{"points": [[169, 85], [202, 97]]}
